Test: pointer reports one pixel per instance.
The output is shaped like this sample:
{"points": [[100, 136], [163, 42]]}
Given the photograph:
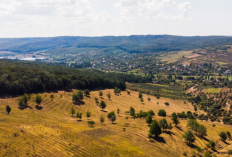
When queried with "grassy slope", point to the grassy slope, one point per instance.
{"points": [[53, 132]]}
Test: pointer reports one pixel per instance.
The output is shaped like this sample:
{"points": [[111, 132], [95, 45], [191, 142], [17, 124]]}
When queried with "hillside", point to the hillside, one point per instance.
{"points": [[131, 44], [51, 131]]}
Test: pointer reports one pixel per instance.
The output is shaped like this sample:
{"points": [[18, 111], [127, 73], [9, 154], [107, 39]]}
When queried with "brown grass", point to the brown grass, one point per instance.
{"points": [[52, 131]]}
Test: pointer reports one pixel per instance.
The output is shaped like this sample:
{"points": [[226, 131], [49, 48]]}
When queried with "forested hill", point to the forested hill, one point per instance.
{"points": [[131, 44], [26, 77]]}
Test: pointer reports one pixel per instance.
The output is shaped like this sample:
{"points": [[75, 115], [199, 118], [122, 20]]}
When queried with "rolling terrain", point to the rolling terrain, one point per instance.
{"points": [[52, 131]]}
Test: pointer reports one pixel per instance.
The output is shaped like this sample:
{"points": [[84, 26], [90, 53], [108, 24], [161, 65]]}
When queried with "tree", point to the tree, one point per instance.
{"points": [[207, 154], [117, 90], [75, 97], [25, 99], [91, 123], [80, 95], [38, 99], [128, 92], [150, 112], [86, 92], [72, 111], [228, 134], [8, 109], [100, 93], [111, 116], [195, 108], [108, 95], [134, 116], [189, 137], [212, 144], [79, 115], [155, 128], [141, 99], [202, 130], [170, 126], [88, 114], [132, 111], [163, 123], [102, 105], [149, 119], [149, 99], [162, 113], [118, 110], [20, 103], [174, 118], [223, 136], [102, 119], [140, 95]]}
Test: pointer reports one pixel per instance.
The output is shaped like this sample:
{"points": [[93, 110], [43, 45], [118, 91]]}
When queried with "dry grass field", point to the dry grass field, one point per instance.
{"points": [[51, 131]]}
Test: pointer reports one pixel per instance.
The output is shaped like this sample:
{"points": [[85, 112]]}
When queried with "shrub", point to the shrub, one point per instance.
{"points": [[132, 111], [111, 116], [162, 113], [86, 92], [150, 112], [166, 103], [140, 95], [128, 92], [155, 128], [102, 105], [91, 123], [102, 119], [8, 109], [223, 136]]}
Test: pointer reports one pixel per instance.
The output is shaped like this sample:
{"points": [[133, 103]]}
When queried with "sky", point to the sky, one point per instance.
{"points": [[47, 18]]}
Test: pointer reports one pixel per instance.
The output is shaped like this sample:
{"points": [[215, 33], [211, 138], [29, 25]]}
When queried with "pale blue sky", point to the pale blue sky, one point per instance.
{"points": [[41, 18]]}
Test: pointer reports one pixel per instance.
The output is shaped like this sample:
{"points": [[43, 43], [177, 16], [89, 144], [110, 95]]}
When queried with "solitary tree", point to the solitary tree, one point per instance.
{"points": [[174, 118], [102, 105], [72, 111], [189, 137], [223, 136], [155, 128], [228, 134], [100, 93], [108, 95], [118, 110], [91, 123], [162, 113], [140, 95], [151, 112], [102, 119], [38, 99], [163, 123], [86, 92], [111, 116], [8, 109], [88, 114], [170, 126], [75, 97], [149, 119], [132, 111], [202, 130], [79, 115], [212, 144]]}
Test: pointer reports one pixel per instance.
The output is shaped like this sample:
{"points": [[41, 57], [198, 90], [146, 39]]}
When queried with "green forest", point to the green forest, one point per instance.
{"points": [[25, 77]]}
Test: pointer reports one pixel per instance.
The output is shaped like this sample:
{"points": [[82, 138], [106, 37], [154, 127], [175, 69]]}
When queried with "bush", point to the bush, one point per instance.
{"points": [[128, 92], [207, 154], [223, 136], [86, 92], [150, 112], [162, 113], [166, 103], [111, 116], [140, 95], [132, 111], [91, 123]]}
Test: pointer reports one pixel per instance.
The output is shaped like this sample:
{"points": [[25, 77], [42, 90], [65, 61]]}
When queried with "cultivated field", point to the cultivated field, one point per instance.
{"points": [[213, 90], [51, 131]]}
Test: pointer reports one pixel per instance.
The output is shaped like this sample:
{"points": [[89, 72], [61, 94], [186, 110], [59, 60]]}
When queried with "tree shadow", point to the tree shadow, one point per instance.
{"points": [[169, 132], [87, 96], [38, 107], [215, 150], [225, 142], [79, 103], [179, 128], [79, 120], [24, 107], [68, 90], [202, 137], [159, 139], [191, 145], [104, 111]]}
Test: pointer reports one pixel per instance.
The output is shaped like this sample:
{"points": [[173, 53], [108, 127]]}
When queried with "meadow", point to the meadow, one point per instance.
{"points": [[52, 131]]}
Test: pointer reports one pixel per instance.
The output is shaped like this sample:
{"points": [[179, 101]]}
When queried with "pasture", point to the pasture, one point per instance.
{"points": [[52, 131]]}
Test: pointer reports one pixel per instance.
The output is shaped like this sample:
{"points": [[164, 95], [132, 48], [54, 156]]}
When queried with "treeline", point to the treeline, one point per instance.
{"points": [[19, 78], [131, 44]]}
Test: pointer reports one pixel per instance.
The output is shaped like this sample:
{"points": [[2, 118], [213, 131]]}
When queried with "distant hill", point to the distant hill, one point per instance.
{"points": [[131, 44]]}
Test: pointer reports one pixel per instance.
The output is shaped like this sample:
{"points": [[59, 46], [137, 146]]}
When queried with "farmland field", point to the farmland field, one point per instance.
{"points": [[52, 131], [213, 90]]}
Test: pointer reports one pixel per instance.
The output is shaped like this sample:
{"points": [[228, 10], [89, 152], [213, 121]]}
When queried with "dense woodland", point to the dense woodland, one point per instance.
{"points": [[131, 44], [25, 77]]}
